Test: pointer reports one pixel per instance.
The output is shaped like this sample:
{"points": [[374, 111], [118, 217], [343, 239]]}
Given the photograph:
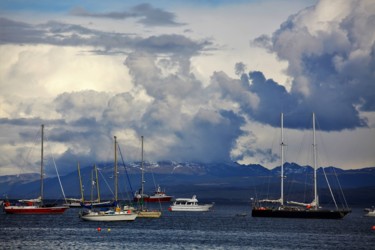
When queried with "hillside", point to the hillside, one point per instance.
{"points": [[214, 181]]}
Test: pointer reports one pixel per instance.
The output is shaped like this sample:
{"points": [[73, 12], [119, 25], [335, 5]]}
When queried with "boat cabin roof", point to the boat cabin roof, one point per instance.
{"points": [[193, 199]]}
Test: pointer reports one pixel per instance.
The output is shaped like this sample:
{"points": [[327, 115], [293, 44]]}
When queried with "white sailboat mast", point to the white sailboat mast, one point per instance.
{"points": [[282, 160], [92, 185], [116, 172], [143, 178], [315, 166], [97, 182], [80, 182], [42, 165]]}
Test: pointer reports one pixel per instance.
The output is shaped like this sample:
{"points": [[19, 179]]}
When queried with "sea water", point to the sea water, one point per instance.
{"points": [[228, 226]]}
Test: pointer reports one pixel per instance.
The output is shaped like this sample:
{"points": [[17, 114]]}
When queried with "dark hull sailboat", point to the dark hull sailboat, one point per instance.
{"points": [[303, 210], [299, 213]]}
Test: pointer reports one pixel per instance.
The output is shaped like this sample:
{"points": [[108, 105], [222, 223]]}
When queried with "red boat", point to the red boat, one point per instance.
{"points": [[35, 206], [158, 196]]}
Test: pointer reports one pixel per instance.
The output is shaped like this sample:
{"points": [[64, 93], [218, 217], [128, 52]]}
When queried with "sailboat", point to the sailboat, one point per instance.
{"points": [[97, 202], [35, 206], [298, 209], [78, 203], [142, 211], [114, 214], [74, 202]]}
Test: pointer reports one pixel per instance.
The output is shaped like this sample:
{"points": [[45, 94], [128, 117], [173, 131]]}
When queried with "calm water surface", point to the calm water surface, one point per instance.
{"points": [[219, 229]]}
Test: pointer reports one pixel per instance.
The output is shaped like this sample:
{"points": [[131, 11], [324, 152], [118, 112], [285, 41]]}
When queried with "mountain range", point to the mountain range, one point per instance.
{"points": [[209, 181]]}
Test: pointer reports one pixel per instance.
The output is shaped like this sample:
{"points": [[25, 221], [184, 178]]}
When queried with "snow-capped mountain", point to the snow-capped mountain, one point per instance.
{"points": [[228, 180]]}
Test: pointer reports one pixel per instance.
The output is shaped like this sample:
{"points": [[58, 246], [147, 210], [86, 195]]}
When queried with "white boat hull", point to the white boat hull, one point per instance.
{"points": [[190, 208], [72, 204], [108, 216], [370, 214]]}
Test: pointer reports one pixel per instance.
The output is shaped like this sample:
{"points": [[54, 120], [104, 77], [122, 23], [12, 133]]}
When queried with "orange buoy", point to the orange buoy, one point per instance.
{"points": [[99, 229]]}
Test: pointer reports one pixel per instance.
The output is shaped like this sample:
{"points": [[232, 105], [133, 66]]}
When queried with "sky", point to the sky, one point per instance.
{"points": [[202, 81]]}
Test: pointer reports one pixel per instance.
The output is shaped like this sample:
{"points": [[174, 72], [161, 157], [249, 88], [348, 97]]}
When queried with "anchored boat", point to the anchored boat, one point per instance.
{"points": [[279, 208], [143, 211], [117, 213], [189, 205], [35, 206]]}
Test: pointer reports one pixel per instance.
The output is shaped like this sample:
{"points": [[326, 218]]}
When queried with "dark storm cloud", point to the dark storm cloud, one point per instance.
{"points": [[145, 13], [332, 69], [62, 34], [30, 121], [177, 44], [11, 31], [239, 68], [216, 137], [209, 136], [274, 99]]}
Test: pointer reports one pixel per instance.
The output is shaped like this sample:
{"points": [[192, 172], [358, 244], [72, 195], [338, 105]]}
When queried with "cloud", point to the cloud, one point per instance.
{"points": [[166, 104], [172, 44], [331, 62], [72, 106], [235, 93], [179, 118], [62, 34], [240, 68], [89, 85], [145, 13]]}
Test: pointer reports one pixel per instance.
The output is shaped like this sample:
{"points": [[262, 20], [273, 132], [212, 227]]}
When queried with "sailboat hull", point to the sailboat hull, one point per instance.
{"points": [[109, 216], [302, 214], [34, 210]]}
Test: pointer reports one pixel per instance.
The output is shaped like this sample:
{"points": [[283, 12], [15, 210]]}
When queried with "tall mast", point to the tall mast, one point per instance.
{"points": [[80, 183], [282, 160], [97, 182], [143, 178], [92, 185], [41, 165], [116, 181], [314, 155]]}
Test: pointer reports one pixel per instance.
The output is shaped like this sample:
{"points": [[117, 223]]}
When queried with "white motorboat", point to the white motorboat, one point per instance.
{"points": [[189, 205], [370, 212]]}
